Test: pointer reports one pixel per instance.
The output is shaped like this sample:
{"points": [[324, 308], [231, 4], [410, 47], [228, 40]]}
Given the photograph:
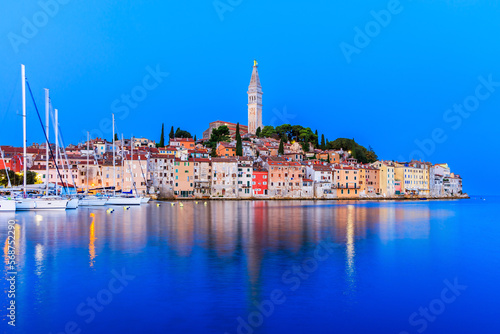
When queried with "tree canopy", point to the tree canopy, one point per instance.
{"points": [[182, 134], [358, 152], [290, 133], [220, 134], [16, 179]]}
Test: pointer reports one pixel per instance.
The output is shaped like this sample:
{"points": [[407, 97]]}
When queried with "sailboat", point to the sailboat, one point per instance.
{"points": [[46, 202], [144, 199], [72, 201], [122, 199], [88, 200], [6, 203]]}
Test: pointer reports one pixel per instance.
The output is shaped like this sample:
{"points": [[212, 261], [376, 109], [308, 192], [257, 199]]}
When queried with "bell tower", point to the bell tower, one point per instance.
{"points": [[254, 101]]}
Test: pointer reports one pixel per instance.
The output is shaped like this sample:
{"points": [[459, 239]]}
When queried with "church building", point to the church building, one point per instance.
{"points": [[254, 109]]}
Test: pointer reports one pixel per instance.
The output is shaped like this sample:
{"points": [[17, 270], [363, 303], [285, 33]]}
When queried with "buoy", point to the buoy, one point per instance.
{"points": [[157, 204], [126, 207], [205, 203], [195, 202], [180, 204], [110, 210], [172, 204]]}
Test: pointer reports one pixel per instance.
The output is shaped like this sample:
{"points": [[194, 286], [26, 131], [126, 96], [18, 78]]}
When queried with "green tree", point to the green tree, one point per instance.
{"points": [[194, 138], [370, 155], [162, 136], [219, 134], [284, 131], [116, 137], [316, 143], [239, 145], [182, 134], [305, 146], [258, 132], [172, 133], [323, 143], [15, 179], [268, 131], [281, 148], [358, 152], [30, 177]]}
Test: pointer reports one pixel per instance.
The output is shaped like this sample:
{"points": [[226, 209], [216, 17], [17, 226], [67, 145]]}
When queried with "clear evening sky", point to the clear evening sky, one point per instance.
{"points": [[388, 74]]}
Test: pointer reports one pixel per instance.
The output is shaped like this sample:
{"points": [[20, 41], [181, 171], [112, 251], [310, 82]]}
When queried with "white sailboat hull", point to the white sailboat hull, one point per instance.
{"points": [[124, 201], [145, 200], [25, 204], [41, 204], [72, 203], [7, 205], [92, 201]]}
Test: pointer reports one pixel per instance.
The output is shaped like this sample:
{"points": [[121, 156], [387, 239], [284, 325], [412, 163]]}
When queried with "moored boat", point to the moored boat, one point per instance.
{"points": [[92, 201], [44, 203], [7, 205], [123, 200], [72, 203]]}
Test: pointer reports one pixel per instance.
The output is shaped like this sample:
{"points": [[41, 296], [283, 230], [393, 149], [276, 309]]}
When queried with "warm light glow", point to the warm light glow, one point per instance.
{"points": [[92, 238], [6, 251]]}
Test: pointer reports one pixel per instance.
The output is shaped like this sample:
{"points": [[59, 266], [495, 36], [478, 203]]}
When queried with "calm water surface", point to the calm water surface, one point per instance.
{"points": [[259, 267]]}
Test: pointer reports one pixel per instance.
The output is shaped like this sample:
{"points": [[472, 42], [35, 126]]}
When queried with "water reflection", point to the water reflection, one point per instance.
{"points": [[92, 239], [229, 229], [350, 251], [228, 250]]}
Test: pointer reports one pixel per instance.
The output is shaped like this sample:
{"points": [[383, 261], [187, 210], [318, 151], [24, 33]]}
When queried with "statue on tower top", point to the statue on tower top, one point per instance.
{"points": [[255, 62]]}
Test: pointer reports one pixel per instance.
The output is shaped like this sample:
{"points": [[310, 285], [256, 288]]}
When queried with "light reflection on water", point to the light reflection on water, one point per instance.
{"points": [[213, 262]]}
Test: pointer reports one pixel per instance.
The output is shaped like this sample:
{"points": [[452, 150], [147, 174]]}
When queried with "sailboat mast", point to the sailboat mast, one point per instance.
{"points": [[23, 85], [123, 164], [114, 167], [56, 126], [88, 153], [132, 161], [47, 143]]}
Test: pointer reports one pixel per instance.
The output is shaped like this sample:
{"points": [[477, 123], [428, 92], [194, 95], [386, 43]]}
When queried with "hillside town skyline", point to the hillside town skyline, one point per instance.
{"points": [[234, 161]]}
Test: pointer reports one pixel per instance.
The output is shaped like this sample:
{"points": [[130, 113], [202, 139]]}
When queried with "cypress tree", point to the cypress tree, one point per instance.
{"points": [[162, 136], [281, 148], [172, 133], [239, 145], [316, 142], [258, 132], [195, 138], [323, 143]]}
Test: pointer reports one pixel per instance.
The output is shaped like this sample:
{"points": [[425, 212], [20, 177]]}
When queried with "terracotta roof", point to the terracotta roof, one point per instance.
{"points": [[228, 160]]}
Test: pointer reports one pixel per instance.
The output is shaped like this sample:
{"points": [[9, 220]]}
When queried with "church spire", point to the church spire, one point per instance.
{"points": [[254, 101], [255, 81]]}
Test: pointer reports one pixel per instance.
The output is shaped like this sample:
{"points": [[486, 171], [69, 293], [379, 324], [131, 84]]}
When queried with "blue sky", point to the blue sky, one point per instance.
{"points": [[411, 67]]}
